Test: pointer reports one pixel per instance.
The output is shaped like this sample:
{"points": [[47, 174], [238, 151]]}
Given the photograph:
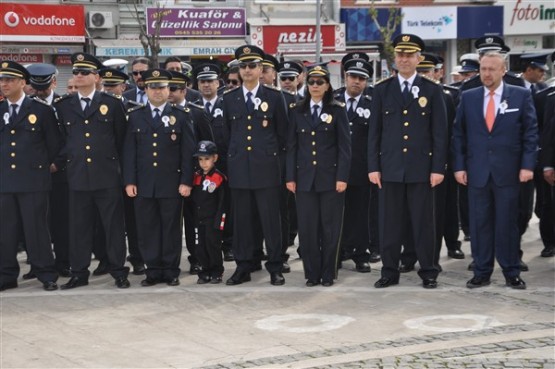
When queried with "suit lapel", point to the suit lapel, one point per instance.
{"points": [[396, 92], [95, 104], [23, 111]]}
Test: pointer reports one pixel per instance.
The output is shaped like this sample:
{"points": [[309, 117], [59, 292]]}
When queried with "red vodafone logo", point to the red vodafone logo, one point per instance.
{"points": [[11, 19]]}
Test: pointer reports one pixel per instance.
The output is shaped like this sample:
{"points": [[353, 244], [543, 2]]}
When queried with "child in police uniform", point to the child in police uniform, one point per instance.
{"points": [[209, 196]]}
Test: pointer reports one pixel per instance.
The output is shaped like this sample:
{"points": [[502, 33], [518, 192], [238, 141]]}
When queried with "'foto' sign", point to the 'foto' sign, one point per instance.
{"points": [[43, 23]]}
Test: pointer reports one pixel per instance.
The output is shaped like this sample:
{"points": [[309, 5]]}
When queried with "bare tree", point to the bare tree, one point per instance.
{"points": [[151, 43], [394, 19]]}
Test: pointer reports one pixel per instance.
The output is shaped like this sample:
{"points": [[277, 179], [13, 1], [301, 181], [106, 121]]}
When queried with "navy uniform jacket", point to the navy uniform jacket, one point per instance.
{"points": [[540, 99], [509, 147], [318, 156], [93, 142], [358, 125], [209, 197], [200, 122], [28, 146], [407, 143], [158, 157], [220, 133], [547, 143], [255, 140]]}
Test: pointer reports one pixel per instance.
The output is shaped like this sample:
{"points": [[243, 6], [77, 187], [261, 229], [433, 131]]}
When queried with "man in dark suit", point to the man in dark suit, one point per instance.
{"points": [[355, 239], [547, 165], [29, 142], [256, 118], [492, 156], [407, 153], [94, 124], [137, 93]]}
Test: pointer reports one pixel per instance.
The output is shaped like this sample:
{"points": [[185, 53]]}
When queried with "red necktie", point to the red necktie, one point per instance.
{"points": [[490, 111]]}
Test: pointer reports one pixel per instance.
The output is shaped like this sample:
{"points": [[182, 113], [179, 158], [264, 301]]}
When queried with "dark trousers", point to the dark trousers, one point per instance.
{"points": [[83, 209], [134, 257], [285, 222], [373, 219], [463, 209], [59, 223], [451, 218], [525, 206], [159, 232], [292, 209], [494, 228], [250, 208], [545, 209], [415, 200], [26, 210], [320, 218], [189, 225], [355, 238], [208, 248]]}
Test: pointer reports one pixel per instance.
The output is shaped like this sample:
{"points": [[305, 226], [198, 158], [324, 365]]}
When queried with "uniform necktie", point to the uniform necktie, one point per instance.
{"points": [[533, 89], [315, 115], [207, 107], [351, 111], [490, 111], [87, 101], [406, 93], [157, 117], [141, 97], [13, 115], [250, 103]]}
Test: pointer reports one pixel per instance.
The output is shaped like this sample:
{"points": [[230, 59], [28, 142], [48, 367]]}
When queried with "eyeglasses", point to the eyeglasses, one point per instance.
{"points": [[137, 72], [233, 82], [312, 82], [175, 88], [251, 65], [76, 72], [283, 79]]}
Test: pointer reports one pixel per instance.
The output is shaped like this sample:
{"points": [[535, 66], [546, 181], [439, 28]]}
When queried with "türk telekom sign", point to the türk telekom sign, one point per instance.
{"points": [[294, 37], [42, 23]]}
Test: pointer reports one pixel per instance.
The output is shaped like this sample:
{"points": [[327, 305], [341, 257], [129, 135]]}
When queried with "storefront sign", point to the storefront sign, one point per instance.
{"points": [[529, 17], [166, 51], [299, 38], [42, 23], [361, 27], [22, 58], [524, 43], [197, 22], [430, 22]]}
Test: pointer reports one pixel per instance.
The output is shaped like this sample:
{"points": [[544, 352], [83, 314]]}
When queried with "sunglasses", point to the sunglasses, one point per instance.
{"points": [[76, 72], [233, 82], [137, 73], [312, 82], [251, 65], [283, 79], [175, 88]]}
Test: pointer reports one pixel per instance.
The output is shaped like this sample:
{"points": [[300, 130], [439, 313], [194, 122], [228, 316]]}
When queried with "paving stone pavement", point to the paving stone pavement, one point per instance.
{"points": [[256, 325]]}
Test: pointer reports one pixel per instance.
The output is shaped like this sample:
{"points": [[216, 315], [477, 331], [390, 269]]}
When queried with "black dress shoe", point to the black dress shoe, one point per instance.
{"points": [[122, 282], [327, 283], [30, 275], [216, 280], [515, 283], [310, 283], [471, 266], [276, 279], [238, 278], [149, 282], [362, 267], [455, 254], [195, 268], [101, 269], [477, 282], [74, 282], [548, 251], [429, 283], [49, 286], [228, 255], [523, 266], [9, 285], [204, 279], [405, 268], [138, 269], [173, 282], [286, 268], [375, 257], [384, 282]]}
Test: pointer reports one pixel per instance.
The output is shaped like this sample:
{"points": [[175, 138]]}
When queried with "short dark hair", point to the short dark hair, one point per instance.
{"points": [[143, 60], [172, 59]]}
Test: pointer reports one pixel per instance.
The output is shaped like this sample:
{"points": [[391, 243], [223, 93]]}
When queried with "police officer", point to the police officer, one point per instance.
{"points": [[94, 124], [256, 118], [407, 153], [29, 142], [355, 240], [43, 80], [158, 170]]}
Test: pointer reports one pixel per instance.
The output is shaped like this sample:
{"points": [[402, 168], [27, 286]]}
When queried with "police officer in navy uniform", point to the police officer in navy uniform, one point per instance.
{"points": [[355, 240], [407, 153], [43, 80], [94, 123], [158, 171], [29, 142], [256, 118]]}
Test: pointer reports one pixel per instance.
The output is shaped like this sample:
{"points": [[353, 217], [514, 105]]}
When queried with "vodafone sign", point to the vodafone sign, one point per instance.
{"points": [[43, 23]]}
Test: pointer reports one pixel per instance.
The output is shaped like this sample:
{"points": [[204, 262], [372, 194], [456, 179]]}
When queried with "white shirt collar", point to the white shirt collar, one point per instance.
{"points": [[90, 96], [254, 91], [347, 97], [161, 107], [212, 102], [410, 80], [498, 91], [18, 102], [312, 103]]}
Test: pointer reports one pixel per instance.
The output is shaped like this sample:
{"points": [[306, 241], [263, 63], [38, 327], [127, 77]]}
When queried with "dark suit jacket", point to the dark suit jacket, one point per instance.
{"points": [[94, 142], [547, 153], [318, 155], [27, 147], [255, 140], [158, 157], [406, 143], [216, 122], [510, 146]]}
